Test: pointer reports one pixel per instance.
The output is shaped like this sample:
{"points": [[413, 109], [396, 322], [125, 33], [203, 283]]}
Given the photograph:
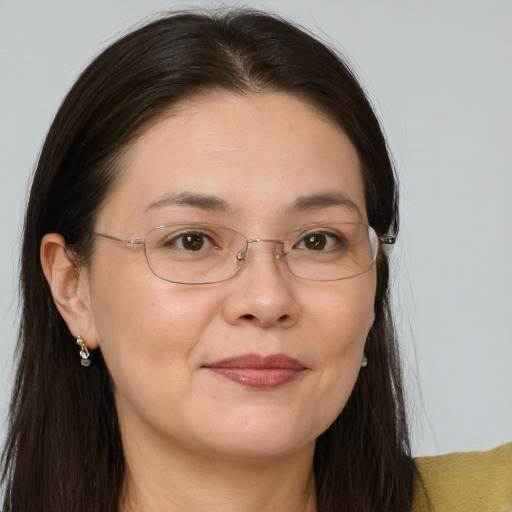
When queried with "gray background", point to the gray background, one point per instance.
{"points": [[440, 76]]}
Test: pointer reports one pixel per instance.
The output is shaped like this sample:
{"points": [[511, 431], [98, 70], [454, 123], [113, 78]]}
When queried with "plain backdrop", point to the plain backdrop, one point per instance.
{"points": [[439, 74]]}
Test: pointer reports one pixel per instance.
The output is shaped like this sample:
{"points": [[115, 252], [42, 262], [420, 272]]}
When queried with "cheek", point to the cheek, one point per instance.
{"points": [[147, 328], [342, 320], [344, 314], [149, 338]]}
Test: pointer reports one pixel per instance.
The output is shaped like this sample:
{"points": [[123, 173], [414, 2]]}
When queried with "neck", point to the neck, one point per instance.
{"points": [[157, 480]]}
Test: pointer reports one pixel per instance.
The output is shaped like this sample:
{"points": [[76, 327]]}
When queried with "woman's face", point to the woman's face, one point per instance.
{"points": [[181, 356]]}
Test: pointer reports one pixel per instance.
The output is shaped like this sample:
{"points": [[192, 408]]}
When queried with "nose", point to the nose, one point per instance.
{"points": [[262, 294]]}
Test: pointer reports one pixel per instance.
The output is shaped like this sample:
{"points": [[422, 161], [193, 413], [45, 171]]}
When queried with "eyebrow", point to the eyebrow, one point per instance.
{"points": [[324, 200], [216, 204], [192, 199]]}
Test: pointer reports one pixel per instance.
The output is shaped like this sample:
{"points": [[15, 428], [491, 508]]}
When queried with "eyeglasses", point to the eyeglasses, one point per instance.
{"points": [[199, 253]]}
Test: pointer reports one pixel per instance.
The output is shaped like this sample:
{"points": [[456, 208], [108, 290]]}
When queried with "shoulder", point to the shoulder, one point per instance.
{"points": [[465, 482]]}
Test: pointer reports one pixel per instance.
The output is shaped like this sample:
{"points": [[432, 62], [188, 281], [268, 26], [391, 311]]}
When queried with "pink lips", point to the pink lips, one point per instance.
{"points": [[254, 371]]}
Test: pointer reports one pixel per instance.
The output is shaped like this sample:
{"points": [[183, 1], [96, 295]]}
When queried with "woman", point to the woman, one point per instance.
{"points": [[205, 321]]}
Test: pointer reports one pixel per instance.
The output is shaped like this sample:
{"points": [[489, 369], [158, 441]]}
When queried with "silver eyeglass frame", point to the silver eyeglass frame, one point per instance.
{"points": [[386, 242]]}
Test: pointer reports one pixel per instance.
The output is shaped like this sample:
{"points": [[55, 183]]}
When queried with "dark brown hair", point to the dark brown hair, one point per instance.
{"points": [[64, 450]]}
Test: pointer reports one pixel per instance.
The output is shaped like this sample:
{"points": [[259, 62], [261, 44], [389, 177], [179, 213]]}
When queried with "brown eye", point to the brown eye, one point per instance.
{"points": [[315, 242], [320, 241], [192, 241]]}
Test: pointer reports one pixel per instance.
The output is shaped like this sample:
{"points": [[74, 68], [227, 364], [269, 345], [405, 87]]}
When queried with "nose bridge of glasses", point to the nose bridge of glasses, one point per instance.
{"points": [[277, 244]]}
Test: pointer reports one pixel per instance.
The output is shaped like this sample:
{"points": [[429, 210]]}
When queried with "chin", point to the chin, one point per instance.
{"points": [[270, 438], [260, 448]]}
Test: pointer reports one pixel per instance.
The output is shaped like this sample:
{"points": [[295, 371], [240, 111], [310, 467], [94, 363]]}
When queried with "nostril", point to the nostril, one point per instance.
{"points": [[283, 319]]}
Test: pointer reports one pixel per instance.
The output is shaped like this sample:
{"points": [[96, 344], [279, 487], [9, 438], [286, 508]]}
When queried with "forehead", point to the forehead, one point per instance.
{"points": [[254, 152]]}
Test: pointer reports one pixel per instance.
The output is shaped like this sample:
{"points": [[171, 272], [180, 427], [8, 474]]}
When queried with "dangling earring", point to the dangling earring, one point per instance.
{"points": [[364, 361], [84, 351]]}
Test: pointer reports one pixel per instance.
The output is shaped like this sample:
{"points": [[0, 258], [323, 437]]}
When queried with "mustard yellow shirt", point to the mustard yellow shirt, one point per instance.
{"points": [[466, 482]]}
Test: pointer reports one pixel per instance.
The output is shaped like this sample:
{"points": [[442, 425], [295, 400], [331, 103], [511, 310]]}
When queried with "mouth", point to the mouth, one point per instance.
{"points": [[254, 371]]}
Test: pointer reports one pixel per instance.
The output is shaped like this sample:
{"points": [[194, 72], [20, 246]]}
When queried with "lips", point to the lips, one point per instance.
{"points": [[258, 372]]}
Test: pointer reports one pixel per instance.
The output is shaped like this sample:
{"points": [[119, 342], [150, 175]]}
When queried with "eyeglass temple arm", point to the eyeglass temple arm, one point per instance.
{"points": [[388, 243], [133, 241]]}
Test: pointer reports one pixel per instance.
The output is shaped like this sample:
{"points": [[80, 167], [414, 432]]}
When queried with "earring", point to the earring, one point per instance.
{"points": [[84, 351], [364, 362]]}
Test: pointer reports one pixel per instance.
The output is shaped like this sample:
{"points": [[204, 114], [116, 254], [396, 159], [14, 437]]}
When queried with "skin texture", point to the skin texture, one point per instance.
{"points": [[224, 446]]}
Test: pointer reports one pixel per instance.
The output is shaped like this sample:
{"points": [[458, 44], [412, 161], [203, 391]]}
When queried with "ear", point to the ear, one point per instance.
{"points": [[70, 288]]}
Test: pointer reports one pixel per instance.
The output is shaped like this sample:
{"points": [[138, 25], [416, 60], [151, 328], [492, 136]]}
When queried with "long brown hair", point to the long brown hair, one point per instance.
{"points": [[64, 450]]}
